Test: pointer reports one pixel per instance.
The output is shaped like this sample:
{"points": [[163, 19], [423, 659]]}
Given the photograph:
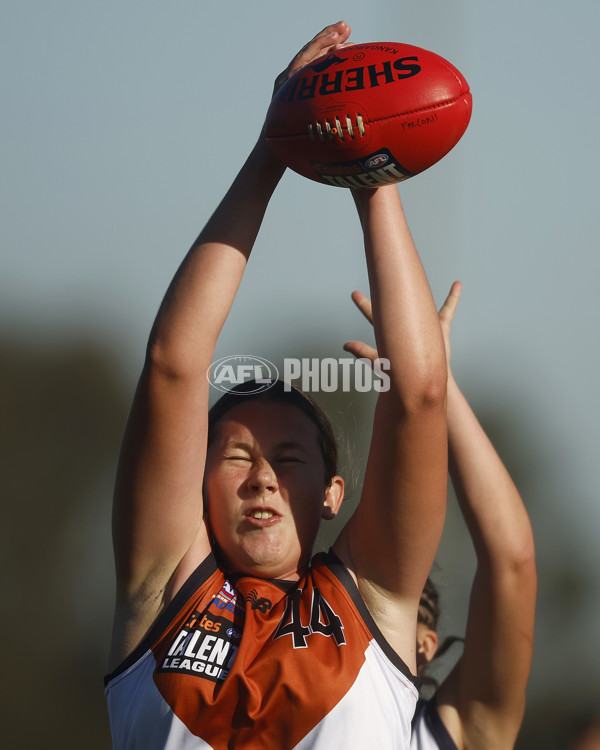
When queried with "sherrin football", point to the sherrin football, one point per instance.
{"points": [[369, 114]]}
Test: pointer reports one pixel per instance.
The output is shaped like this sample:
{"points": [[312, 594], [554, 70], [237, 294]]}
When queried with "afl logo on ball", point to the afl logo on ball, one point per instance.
{"points": [[376, 161], [227, 372]]}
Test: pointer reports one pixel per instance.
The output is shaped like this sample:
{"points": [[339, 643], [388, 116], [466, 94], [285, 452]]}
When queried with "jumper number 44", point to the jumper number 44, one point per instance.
{"points": [[323, 620]]}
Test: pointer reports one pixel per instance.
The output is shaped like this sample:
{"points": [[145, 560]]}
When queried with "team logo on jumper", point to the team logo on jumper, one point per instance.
{"points": [[207, 643], [260, 603], [206, 647], [228, 372]]}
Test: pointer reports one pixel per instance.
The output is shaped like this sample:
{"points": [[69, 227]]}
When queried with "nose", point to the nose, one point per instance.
{"points": [[262, 478]]}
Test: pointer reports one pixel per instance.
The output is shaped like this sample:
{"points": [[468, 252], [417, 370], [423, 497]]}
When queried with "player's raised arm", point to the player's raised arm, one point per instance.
{"points": [[483, 700], [391, 540], [158, 525]]}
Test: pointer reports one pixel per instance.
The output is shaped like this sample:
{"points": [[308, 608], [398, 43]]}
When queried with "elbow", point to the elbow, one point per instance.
{"points": [[433, 388], [160, 358], [520, 553], [517, 559], [165, 359], [520, 575], [424, 392], [523, 560]]}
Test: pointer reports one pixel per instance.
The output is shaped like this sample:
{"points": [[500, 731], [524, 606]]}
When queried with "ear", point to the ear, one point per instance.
{"points": [[334, 494], [427, 644]]}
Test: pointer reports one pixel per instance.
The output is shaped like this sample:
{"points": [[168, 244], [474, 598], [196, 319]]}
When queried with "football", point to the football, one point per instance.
{"points": [[369, 114]]}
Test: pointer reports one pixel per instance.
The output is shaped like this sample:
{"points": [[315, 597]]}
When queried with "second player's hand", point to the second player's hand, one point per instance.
{"points": [[359, 348], [446, 315]]}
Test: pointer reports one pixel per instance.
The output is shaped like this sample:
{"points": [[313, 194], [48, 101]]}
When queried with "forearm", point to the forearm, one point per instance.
{"points": [[201, 294], [487, 687], [395, 531], [407, 329], [489, 500], [491, 677]]}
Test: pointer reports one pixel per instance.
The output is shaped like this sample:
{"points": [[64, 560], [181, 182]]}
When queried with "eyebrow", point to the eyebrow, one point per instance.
{"points": [[287, 445], [238, 444], [291, 445]]}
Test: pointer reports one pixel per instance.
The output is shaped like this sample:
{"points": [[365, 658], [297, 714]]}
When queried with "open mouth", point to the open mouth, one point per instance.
{"points": [[261, 515]]}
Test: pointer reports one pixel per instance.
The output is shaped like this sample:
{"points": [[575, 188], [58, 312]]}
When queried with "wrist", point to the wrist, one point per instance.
{"points": [[265, 161]]}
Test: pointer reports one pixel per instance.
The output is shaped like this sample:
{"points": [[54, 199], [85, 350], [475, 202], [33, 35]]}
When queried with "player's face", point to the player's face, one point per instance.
{"points": [[265, 488]]}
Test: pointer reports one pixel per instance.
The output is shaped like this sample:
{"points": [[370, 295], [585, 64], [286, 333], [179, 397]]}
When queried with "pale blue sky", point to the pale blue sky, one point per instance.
{"points": [[124, 122]]}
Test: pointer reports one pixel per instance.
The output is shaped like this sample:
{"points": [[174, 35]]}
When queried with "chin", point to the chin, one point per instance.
{"points": [[266, 555], [270, 563]]}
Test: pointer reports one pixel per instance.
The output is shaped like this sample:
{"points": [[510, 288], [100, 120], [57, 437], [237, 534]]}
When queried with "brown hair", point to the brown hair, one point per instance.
{"points": [[429, 610], [429, 614]]}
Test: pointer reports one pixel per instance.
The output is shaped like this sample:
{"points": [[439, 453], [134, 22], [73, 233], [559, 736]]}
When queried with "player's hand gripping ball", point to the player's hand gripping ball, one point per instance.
{"points": [[369, 114]]}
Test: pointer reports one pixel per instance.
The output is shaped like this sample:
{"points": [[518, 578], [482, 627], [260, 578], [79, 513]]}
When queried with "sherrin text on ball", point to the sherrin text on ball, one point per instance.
{"points": [[369, 114]]}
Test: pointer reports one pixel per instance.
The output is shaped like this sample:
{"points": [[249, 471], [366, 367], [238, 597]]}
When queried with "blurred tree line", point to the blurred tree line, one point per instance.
{"points": [[63, 410]]}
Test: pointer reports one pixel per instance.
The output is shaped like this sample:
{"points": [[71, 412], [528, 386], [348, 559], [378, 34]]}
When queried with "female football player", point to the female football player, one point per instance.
{"points": [[227, 633]]}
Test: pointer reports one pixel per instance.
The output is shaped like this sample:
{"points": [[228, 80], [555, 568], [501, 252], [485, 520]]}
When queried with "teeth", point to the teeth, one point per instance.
{"points": [[261, 514]]}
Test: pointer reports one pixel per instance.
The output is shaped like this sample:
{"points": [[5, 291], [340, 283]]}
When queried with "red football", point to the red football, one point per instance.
{"points": [[369, 114]]}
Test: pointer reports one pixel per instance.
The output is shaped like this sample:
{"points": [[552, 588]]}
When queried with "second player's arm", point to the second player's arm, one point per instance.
{"points": [[483, 700]]}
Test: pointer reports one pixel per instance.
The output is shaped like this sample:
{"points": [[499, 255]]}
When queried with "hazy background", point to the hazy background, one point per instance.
{"points": [[122, 124]]}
